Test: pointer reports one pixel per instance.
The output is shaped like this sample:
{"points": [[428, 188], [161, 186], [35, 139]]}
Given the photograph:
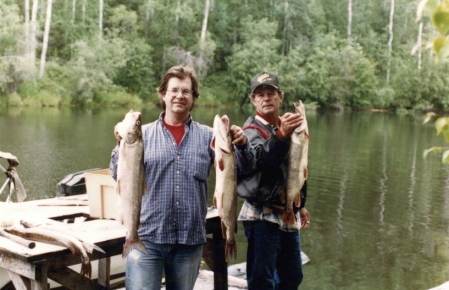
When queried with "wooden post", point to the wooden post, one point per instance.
{"points": [[214, 252], [104, 272]]}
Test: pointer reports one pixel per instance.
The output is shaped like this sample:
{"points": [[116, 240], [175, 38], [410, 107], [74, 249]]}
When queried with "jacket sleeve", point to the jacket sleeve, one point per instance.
{"points": [[246, 158], [303, 195], [270, 153]]}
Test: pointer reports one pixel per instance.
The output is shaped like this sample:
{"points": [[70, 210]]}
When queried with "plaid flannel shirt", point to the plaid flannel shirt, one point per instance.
{"points": [[175, 205]]}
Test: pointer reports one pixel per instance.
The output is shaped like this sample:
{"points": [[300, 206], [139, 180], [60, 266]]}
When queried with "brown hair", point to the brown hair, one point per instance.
{"points": [[180, 72]]}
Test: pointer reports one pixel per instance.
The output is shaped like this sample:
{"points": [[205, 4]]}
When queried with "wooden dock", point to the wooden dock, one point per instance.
{"points": [[36, 268]]}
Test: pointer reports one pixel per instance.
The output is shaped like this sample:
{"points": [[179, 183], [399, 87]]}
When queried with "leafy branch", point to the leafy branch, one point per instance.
{"points": [[442, 126], [439, 14]]}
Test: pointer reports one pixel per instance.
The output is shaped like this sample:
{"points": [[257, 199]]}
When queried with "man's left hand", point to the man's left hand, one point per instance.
{"points": [[304, 217], [238, 136]]}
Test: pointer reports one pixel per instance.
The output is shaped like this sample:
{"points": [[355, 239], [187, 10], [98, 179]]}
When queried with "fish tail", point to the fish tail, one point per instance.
{"points": [[230, 250], [86, 270], [288, 217], [129, 245]]}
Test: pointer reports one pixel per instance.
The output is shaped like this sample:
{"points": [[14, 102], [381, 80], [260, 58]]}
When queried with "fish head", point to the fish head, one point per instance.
{"points": [[221, 125], [130, 128], [221, 133]]}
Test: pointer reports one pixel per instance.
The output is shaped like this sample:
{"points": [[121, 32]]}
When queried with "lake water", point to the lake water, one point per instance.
{"points": [[379, 212]]}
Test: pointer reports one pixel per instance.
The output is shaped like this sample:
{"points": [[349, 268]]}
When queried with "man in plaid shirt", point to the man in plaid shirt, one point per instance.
{"points": [[177, 160]]}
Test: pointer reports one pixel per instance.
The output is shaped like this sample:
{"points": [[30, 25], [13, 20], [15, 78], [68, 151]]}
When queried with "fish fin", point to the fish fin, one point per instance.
{"points": [[224, 149], [215, 201], [288, 217], [219, 163], [89, 247], [212, 143], [297, 200], [223, 230], [283, 195]]}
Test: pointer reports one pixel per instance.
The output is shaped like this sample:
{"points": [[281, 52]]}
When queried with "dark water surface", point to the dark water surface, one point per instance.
{"points": [[379, 211]]}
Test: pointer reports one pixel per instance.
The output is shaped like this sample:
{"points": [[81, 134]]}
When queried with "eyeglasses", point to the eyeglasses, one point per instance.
{"points": [[184, 92]]}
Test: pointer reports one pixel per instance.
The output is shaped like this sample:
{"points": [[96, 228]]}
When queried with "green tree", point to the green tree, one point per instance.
{"points": [[15, 66], [257, 52]]}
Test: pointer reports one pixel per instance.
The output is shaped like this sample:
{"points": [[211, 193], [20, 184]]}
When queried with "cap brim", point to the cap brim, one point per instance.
{"points": [[277, 88]]}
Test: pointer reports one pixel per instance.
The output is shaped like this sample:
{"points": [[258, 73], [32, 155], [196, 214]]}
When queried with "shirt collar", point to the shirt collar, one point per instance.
{"points": [[162, 115], [265, 122]]}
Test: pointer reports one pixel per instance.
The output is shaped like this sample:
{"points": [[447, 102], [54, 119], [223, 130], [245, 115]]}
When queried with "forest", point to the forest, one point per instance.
{"points": [[331, 54]]}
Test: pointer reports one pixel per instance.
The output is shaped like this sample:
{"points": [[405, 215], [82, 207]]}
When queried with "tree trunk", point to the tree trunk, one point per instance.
{"points": [[419, 43], [73, 11], [206, 16], [148, 17], [33, 32], [349, 17], [390, 40], [284, 32], [100, 20], [27, 27], [46, 34], [84, 12], [177, 23]]}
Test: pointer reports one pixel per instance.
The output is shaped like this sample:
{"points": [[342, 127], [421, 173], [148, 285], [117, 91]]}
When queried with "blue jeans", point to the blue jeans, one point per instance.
{"points": [[181, 264], [273, 257]]}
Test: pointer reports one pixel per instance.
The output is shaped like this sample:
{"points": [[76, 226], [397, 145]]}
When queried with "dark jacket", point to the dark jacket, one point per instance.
{"points": [[272, 160]]}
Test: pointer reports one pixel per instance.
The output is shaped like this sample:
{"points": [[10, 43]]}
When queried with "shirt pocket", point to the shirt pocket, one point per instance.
{"points": [[201, 164]]}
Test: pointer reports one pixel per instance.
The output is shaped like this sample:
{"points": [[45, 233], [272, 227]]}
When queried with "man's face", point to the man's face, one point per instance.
{"points": [[178, 98], [267, 100]]}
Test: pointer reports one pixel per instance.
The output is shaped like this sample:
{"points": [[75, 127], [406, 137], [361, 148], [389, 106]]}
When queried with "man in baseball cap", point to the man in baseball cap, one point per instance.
{"points": [[273, 254]]}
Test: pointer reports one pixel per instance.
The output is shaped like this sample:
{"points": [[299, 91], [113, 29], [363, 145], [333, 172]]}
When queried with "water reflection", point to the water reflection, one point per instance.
{"points": [[379, 211]]}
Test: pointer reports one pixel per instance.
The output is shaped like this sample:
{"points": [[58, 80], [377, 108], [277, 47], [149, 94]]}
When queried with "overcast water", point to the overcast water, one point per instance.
{"points": [[379, 212]]}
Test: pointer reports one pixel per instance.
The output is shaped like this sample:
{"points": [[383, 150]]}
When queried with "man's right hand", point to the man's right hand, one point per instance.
{"points": [[289, 122]]}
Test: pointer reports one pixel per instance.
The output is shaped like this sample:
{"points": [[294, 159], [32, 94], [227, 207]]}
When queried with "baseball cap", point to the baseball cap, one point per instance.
{"points": [[265, 78]]}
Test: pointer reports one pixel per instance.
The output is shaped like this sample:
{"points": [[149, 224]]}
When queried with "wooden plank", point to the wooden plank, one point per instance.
{"points": [[104, 271], [19, 267], [20, 283], [72, 280]]}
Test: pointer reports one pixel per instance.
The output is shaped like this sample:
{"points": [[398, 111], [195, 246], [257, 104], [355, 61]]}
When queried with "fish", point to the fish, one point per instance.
{"points": [[297, 172], [19, 240], [225, 195], [56, 238], [52, 225], [130, 185]]}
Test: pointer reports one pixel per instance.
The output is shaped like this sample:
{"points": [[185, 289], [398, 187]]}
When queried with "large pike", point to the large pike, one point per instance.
{"points": [[56, 238], [225, 196], [297, 166], [130, 179]]}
